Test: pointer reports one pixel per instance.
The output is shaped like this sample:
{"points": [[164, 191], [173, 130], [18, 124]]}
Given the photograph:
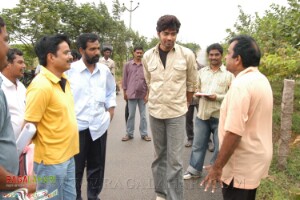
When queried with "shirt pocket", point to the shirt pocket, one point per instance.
{"points": [[222, 86], [155, 75], [179, 72], [152, 68]]}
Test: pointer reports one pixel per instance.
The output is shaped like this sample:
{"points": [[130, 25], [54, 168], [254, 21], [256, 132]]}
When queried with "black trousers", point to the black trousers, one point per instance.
{"points": [[189, 125], [231, 193], [126, 111], [92, 154]]}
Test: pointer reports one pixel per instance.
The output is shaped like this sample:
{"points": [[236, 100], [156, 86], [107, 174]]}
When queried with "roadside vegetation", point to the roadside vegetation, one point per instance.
{"points": [[277, 33]]}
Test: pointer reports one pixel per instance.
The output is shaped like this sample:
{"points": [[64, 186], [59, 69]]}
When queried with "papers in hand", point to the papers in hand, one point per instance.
{"points": [[198, 94], [25, 137]]}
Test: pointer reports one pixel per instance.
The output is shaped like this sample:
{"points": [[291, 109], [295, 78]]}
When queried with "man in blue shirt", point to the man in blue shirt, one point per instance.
{"points": [[95, 101]]}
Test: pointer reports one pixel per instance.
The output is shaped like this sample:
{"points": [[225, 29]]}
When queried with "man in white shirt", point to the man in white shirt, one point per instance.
{"points": [[95, 101], [13, 89]]}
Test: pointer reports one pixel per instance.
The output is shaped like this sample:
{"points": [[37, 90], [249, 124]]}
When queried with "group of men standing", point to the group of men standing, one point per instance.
{"points": [[71, 116], [72, 103]]}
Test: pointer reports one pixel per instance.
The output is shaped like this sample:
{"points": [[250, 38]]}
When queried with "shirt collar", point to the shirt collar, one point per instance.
{"points": [[83, 67], [222, 68], [132, 62], [157, 46], [7, 82], [48, 74], [247, 70]]}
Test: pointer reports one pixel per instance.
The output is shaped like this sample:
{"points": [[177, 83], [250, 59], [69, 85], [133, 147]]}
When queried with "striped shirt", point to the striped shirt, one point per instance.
{"points": [[212, 82]]}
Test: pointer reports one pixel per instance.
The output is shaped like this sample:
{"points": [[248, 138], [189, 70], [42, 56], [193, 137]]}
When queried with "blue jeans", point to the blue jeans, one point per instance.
{"points": [[132, 103], [64, 175], [167, 167], [203, 129]]}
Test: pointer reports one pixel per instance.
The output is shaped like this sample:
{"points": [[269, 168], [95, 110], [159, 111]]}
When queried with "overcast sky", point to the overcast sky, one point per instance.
{"points": [[202, 22]]}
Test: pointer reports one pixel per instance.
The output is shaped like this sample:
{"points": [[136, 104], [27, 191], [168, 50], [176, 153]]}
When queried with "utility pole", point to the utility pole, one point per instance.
{"points": [[130, 11]]}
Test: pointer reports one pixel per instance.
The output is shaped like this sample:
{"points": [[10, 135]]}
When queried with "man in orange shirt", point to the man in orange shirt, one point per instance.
{"points": [[245, 127]]}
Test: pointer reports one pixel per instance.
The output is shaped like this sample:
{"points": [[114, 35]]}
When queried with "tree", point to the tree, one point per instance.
{"points": [[278, 35]]}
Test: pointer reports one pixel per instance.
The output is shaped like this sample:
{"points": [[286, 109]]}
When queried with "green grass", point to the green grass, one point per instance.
{"points": [[280, 183]]}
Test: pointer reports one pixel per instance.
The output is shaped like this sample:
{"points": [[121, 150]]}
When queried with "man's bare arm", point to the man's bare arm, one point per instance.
{"points": [[230, 143]]}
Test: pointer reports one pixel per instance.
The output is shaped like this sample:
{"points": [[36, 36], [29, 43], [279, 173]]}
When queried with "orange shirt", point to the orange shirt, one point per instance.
{"points": [[247, 111]]}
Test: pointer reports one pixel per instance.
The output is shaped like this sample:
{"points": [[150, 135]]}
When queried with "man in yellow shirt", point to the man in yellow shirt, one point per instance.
{"points": [[50, 106], [245, 128]]}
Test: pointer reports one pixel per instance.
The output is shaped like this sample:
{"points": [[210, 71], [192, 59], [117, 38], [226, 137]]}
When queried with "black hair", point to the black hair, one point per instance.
{"points": [[138, 48], [2, 23], [216, 46], [76, 55], [84, 38], [247, 48], [106, 49], [49, 44], [168, 22], [11, 54]]}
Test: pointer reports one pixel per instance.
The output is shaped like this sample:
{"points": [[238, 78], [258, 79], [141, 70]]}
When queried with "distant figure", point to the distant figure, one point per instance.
{"points": [[170, 72], [213, 83], [135, 93], [50, 107], [14, 89], [75, 54], [245, 129], [106, 60], [94, 93]]}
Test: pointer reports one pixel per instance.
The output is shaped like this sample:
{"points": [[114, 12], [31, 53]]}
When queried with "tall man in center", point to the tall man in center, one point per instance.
{"points": [[170, 72], [95, 101]]}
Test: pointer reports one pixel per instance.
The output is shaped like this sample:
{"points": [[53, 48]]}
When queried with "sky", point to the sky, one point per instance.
{"points": [[202, 22]]}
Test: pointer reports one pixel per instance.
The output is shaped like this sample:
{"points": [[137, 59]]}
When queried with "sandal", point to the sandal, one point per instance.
{"points": [[126, 138], [146, 138]]}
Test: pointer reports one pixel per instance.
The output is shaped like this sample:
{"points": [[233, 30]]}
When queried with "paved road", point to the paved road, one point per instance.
{"points": [[128, 174]]}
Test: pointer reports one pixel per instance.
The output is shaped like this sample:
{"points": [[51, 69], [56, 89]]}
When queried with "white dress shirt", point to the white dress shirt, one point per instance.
{"points": [[93, 94], [15, 95]]}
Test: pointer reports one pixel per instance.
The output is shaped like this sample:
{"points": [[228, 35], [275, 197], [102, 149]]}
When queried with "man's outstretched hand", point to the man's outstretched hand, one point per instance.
{"points": [[212, 178]]}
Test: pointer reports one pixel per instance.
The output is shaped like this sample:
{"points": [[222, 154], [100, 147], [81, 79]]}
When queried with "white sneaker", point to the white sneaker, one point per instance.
{"points": [[160, 198], [188, 175]]}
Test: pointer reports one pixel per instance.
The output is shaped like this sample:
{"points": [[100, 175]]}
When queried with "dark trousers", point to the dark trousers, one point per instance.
{"points": [[126, 111], [231, 193], [92, 154], [189, 126]]}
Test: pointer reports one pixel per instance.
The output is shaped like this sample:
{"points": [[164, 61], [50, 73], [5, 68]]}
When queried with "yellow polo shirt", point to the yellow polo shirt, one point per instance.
{"points": [[57, 138]]}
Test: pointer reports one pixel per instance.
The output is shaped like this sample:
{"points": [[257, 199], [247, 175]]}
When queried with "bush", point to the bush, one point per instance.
{"points": [[279, 184]]}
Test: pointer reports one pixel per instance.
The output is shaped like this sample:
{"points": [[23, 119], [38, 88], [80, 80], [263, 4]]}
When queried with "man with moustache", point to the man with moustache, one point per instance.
{"points": [[170, 72], [9, 161], [14, 89], [106, 60], [213, 83], [245, 128], [50, 107], [135, 93], [94, 92]]}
